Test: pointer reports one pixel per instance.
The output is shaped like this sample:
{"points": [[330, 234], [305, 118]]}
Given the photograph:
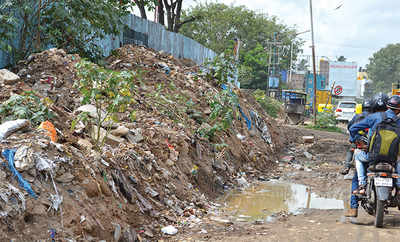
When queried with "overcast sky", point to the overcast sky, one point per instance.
{"points": [[355, 30]]}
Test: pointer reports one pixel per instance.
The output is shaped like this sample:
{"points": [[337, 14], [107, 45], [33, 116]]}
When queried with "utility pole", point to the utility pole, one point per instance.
{"points": [[273, 63], [314, 69]]}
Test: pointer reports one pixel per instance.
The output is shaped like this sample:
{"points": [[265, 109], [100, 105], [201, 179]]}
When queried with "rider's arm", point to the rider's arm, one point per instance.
{"points": [[352, 121], [355, 128]]}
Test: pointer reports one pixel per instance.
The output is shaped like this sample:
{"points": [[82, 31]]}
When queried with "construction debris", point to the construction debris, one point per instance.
{"points": [[154, 170]]}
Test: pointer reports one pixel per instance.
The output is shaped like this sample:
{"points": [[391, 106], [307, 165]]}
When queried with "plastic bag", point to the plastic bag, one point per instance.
{"points": [[9, 127], [9, 155], [52, 133]]}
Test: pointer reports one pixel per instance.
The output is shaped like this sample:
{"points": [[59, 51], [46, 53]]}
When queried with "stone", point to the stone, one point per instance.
{"points": [[170, 162], [129, 235], [308, 139], [65, 178], [110, 139], [287, 159], [151, 192], [308, 155], [23, 159], [219, 165], [135, 136], [242, 182], [91, 110], [85, 144], [120, 131], [8, 78], [170, 230], [149, 234]]}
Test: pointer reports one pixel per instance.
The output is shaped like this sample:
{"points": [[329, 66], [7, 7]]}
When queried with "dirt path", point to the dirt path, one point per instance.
{"points": [[320, 174]]}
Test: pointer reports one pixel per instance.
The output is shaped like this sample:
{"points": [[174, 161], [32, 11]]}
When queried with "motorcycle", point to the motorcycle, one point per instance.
{"points": [[381, 191]]}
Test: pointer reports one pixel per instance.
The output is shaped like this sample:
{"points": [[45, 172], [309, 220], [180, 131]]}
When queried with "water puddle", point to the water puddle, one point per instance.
{"points": [[263, 200]]}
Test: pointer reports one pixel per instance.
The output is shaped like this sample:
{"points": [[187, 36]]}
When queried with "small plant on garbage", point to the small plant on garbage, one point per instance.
{"points": [[270, 105], [327, 122], [25, 106], [109, 91], [223, 111], [222, 69]]}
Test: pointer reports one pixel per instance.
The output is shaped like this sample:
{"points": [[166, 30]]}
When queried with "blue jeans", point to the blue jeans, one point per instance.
{"points": [[361, 159], [354, 186]]}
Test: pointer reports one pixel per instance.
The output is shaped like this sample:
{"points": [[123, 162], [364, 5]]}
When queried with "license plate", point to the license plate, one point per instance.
{"points": [[383, 182]]}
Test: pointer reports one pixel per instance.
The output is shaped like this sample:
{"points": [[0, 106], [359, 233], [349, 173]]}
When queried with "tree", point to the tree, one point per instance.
{"points": [[303, 65], [384, 67], [71, 25], [341, 58], [256, 60], [218, 24]]}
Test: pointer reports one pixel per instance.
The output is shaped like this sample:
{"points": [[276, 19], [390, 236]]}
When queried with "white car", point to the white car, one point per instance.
{"points": [[345, 110]]}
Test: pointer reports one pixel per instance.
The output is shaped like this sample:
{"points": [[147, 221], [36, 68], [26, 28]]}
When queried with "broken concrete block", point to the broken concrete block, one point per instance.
{"points": [[308, 139], [110, 139], [120, 131], [85, 144], [8, 78]]}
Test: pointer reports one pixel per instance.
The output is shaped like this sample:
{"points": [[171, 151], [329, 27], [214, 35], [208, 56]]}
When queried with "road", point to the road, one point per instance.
{"points": [[320, 174]]}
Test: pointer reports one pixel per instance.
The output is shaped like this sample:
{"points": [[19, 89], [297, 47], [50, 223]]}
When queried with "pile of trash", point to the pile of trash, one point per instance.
{"points": [[154, 175]]}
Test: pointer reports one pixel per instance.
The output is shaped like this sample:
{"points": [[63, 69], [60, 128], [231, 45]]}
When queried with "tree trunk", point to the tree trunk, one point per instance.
{"points": [[142, 8], [168, 8], [177, 19], [160, 12]]}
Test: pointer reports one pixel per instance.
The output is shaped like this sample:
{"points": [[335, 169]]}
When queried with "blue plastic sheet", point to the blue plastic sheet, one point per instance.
{"points": [[248, 121], [9, 155]]}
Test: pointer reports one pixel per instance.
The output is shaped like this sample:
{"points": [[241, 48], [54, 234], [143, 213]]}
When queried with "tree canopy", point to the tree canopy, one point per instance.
{"points": [[217, 25], [26, 26], [384, 68]]}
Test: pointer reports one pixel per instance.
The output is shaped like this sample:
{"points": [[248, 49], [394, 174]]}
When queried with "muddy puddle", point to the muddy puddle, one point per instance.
{"points": [[261, 201]]}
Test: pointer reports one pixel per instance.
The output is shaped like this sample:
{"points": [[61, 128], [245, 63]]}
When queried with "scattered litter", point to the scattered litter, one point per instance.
{"points": [[51, 131], [9, 155], [9, 127], [170, 230]]}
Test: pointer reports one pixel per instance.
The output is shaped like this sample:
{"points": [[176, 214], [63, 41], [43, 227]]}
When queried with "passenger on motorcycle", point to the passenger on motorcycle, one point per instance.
{"points": [[393, 105], [378, 104], [366, 110]]}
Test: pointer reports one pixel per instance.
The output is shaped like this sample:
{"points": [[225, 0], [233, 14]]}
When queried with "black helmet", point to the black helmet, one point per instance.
{"points": [[394, 102], [380, 101], [367, 105]]}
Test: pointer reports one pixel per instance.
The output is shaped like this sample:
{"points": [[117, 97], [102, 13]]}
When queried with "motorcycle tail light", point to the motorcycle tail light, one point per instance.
{"points": [[395, 175], [383, 174], [371, 174], [338, 110]]}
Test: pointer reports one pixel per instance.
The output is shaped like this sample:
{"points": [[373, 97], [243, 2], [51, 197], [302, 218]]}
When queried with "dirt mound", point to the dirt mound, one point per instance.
{"points": [[160, 172]]}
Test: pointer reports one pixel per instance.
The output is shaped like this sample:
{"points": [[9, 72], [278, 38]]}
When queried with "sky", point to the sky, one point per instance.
{"points": [[356, 30]]}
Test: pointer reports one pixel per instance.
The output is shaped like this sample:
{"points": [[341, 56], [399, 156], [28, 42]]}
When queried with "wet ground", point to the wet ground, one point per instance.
{"points": [[305, 202], [262, 201]]}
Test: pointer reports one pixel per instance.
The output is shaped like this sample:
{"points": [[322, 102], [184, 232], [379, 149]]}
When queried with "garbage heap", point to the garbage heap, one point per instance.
{"points": [[153, 177]]}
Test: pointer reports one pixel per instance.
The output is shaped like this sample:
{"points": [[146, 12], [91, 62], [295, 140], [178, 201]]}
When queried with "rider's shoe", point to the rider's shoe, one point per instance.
{"points": [[360, 191], [345, 170], [351, 212]]}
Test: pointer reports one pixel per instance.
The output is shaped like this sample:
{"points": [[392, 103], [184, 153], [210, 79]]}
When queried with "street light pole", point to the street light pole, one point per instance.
{"points": [[314, 68]]}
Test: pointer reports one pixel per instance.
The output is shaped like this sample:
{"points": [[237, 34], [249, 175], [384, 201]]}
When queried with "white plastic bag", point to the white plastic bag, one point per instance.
{"points": [[9, 127]]}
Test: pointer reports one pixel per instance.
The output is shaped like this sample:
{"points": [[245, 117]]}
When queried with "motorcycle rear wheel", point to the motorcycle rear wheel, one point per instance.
{"points": [[380, 212]]}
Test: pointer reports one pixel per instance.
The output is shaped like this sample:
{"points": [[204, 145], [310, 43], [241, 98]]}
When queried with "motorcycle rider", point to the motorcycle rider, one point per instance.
{"points": [[366, 110], [393, 105], [378, 104]]}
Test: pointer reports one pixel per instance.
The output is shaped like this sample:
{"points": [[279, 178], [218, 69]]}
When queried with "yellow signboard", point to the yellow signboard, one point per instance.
{"points": [[323, 97]]}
